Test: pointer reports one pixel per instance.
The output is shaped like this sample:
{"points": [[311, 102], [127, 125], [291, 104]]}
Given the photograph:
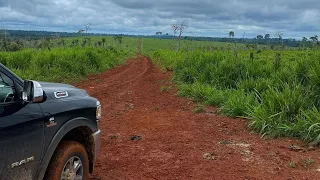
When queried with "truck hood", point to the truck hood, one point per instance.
{"points": [[61, 91]]}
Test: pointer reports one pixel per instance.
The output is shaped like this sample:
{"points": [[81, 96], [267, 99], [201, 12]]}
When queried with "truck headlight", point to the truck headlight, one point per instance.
{"points": [[98, 111]]}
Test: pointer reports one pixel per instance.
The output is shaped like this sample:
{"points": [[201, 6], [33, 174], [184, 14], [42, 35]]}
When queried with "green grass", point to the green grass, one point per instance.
{"points": [[62, 64], [292, 164], [277, 90], [199, 109], [307, 163], [151, 44]]}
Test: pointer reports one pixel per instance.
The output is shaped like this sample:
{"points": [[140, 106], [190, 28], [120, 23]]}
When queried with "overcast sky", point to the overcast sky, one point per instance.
{"points": [[294, 18]]}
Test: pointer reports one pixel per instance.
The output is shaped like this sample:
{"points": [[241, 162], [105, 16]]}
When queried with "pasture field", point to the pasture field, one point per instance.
{"points": [[277, 90], [62, 64], [151, 44]]}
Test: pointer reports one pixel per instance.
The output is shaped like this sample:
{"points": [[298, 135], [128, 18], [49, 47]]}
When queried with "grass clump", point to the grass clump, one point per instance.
{"points": [[292, 164]]}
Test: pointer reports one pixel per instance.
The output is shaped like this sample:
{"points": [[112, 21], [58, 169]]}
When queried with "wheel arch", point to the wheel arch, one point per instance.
{"points": [[71, 130]]}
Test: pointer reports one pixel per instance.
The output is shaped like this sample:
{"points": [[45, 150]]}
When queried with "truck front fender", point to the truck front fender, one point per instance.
{"points": [[67, 127]]}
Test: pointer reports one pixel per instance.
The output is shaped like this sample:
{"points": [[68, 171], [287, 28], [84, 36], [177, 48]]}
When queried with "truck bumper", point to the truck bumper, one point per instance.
{"points": [[97, 144]]}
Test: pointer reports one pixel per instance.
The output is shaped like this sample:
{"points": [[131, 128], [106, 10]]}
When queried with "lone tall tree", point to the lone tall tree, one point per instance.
{"points": [[175, 29], [179, 27], [231, 34], [279, 36], [88, 27]]}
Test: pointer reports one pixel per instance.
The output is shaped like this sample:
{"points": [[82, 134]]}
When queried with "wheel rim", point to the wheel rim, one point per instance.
{"points": [[73, 169]]}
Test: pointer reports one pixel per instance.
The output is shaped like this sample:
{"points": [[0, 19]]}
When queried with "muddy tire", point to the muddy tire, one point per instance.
{"points": [[70, 161]]}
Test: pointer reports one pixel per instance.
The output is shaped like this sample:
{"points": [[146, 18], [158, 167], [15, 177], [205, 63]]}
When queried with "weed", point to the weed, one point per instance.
{"points": [[199, 109], [308, 162], [292, 164], [225, 142], [115, 136], [210, 156], [272, 154], [165, 88]]}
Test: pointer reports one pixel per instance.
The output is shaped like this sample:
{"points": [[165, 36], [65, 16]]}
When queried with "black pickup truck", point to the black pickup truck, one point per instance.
{"points": [[47, 130]]}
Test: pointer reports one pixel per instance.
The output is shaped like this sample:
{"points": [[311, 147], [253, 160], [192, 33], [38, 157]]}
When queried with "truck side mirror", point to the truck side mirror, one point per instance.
{"points": [[32, 92]]}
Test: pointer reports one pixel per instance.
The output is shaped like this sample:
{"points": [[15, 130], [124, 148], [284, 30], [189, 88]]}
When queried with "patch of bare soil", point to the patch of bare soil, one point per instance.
{"points": [[151, 133]]}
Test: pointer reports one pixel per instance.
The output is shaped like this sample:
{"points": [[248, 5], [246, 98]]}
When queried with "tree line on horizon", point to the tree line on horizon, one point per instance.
{"points": [[13, 40]]}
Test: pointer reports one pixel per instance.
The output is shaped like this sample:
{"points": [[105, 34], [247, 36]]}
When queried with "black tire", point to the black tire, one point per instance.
{"points": [[66, 152]]}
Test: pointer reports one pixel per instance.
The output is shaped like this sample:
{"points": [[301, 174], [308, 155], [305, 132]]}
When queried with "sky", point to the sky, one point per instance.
{"points": [[214, 18]]}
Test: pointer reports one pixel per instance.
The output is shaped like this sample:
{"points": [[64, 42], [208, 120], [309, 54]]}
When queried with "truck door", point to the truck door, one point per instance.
{"points": [[21, 132]]}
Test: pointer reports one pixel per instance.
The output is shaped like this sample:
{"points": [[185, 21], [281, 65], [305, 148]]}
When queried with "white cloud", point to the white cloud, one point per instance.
{"points": [[205, 17]]}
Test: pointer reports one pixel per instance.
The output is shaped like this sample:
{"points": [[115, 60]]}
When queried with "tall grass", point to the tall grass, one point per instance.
{"points": [[278, 91], [62, 64]]}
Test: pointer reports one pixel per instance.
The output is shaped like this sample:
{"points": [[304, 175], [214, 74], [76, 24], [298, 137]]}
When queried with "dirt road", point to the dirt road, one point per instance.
{"points": [[151, 133]]}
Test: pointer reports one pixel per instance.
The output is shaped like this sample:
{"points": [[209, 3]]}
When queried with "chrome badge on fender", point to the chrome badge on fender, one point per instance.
{"points": [[61, 94], [24, 161]]}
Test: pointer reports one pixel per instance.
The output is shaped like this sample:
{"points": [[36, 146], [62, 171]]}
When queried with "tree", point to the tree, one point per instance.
{"points": [[88, 27], [175, 29], [158, 34], [314, 38], [304, 41], [231, 34], [119, 39], [103, 41], [267, 36], [81, 31], [259, 37], [279, 37], [179, 28]]}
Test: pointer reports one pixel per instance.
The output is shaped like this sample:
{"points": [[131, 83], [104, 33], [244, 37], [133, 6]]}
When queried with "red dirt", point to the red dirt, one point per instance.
{"points": [[138, 99]]}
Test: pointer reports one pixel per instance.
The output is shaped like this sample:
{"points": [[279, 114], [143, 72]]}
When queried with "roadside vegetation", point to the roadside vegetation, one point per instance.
{"points": [[278, 90], [276, 86], [62, 64]]}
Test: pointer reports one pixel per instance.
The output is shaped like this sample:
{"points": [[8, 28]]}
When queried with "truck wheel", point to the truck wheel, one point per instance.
{"points": [[70, 161]]}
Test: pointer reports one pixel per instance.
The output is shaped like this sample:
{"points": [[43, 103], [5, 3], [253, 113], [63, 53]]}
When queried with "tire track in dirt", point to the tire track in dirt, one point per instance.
{"points": [[177, 143]]}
